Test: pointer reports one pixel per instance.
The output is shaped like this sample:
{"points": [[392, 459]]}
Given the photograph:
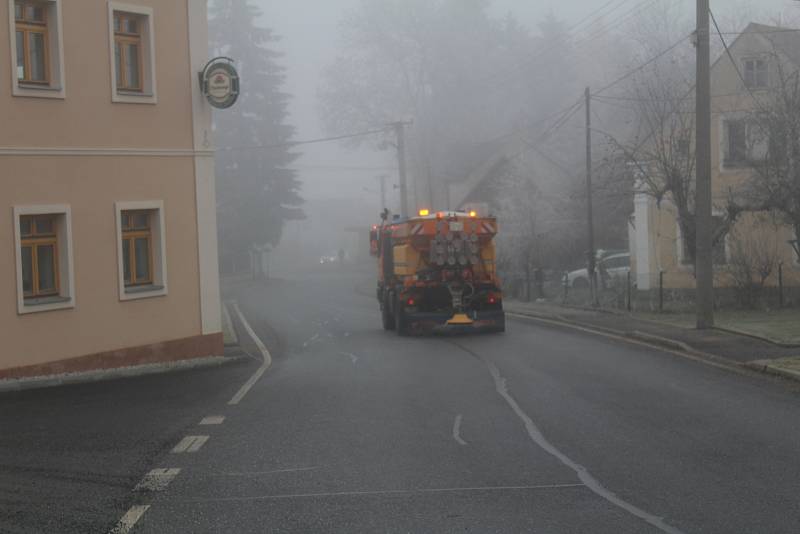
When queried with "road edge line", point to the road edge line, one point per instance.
{"points": [[267, 363]]}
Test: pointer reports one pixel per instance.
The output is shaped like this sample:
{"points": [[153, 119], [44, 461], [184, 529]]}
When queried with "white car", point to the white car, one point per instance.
{"points": [[609, 268]]}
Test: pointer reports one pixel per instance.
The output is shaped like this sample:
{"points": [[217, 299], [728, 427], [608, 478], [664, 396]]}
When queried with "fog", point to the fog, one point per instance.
{"points": [[549, 52]]}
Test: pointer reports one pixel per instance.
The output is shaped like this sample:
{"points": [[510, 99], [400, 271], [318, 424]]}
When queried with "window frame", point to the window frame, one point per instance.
{"points": [[54, 86], [157, 285], [126, 38], [755, 82], [34, 241], [726, 154], [131, 234], [147, 94], [64, 296]]}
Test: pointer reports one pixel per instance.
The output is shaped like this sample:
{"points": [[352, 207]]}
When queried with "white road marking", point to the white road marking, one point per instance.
{"points": [[353, 357], [382, 492], [129, 520], [213, 420], [190, 444], [274, 471], [264, 353], [457, 430], [311, 340], [583, 474], [157, 479]]}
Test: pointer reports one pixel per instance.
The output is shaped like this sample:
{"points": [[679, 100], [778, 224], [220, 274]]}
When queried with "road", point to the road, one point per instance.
{"points": [[353, 429]]}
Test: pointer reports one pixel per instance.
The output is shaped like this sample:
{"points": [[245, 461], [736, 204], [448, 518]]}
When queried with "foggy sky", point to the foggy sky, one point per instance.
{"points": [[309, 31]]}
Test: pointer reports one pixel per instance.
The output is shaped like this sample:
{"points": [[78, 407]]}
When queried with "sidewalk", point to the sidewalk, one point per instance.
{"points": [[727, 346]]}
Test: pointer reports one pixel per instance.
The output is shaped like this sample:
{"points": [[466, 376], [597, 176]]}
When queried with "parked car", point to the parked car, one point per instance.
{"points": [[612, 267]]}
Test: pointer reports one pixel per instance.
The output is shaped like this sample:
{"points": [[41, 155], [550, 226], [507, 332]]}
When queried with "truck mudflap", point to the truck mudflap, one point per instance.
{"points": [[447, 323]]}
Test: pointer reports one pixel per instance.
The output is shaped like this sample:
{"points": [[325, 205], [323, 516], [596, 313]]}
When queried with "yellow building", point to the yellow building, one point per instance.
{"points": [[109, 253], [656, 242]]}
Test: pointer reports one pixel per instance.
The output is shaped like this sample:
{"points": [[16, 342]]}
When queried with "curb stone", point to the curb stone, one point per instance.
{"points": [[760, 338], [764, 366], [38, 382]]}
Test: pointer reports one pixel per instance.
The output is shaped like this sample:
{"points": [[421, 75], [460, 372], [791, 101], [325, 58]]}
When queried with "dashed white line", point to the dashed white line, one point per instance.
{"points": [[129, 520], [212, 420], [310, 341], [157, 479], [457, 431], [264, 353], [190, 444]]}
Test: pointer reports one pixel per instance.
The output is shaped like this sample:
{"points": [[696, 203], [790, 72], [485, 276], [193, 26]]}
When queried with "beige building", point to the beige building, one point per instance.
{"points": [[656, 242], [109, 253]]}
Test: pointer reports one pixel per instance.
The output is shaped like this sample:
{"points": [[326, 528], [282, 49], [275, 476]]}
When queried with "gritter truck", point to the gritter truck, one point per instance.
{"points": [[437, 273]]}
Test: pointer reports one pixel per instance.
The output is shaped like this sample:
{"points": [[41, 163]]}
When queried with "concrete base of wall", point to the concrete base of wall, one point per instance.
{"points": [[168, 351]]}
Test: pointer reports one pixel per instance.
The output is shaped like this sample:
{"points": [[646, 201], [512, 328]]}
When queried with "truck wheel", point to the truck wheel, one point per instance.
{"points": [[400, 320], [386, 317]]}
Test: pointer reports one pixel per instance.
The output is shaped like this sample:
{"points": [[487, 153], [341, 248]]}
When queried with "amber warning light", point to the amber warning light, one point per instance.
{"points": [[424, 213]]}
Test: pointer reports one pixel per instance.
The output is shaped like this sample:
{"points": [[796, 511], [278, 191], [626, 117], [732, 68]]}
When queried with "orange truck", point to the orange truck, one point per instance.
{"points": [[437, 273]]}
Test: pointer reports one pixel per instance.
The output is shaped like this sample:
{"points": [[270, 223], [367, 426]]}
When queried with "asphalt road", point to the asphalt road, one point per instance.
{"points": [[354, 429]]}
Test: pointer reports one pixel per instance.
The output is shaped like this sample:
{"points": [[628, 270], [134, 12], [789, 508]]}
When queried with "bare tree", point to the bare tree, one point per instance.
{"points": [[663, 151], [754, 258], [775, 185]]}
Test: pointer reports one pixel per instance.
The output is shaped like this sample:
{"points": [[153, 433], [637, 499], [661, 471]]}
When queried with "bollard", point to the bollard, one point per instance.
{"points": [[780, 285], [566, 286], [661, 291]]}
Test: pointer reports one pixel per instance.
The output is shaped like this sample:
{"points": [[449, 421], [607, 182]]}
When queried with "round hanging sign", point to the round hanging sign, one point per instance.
{"points": [[220, 82]]}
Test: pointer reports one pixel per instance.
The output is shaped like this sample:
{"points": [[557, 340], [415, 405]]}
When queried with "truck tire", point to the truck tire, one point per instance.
{"points": [[387, 318], [399, 320]]}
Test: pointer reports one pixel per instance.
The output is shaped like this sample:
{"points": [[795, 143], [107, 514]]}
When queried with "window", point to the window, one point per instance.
{"points": [[128, 51], [31, 32], [44, 260], [756, 73], [736, 146], [132, 59], [36, 48], [39, 252], [137, 248], [142, 250]]}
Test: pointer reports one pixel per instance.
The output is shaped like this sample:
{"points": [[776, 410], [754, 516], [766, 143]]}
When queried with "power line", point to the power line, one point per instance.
{"points": [[290, 144], [642, 66], [733, 61], [533, 60]]}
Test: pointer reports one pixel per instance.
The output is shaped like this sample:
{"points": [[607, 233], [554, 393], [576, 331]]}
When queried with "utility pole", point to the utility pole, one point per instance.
{"points": [[589, 214], [400, 131], [382, 179], [704, 268]]}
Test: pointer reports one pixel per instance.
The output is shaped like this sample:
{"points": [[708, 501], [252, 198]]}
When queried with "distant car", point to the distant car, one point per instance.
{"points": [[610, 268], [325, 260]]}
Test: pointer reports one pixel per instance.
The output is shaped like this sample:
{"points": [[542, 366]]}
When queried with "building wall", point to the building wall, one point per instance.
{"points": [[730, 100], [89, 153], [100, 321]]}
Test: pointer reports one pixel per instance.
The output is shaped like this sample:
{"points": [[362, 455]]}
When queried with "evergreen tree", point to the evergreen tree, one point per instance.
{"points": [[256, 191]]}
